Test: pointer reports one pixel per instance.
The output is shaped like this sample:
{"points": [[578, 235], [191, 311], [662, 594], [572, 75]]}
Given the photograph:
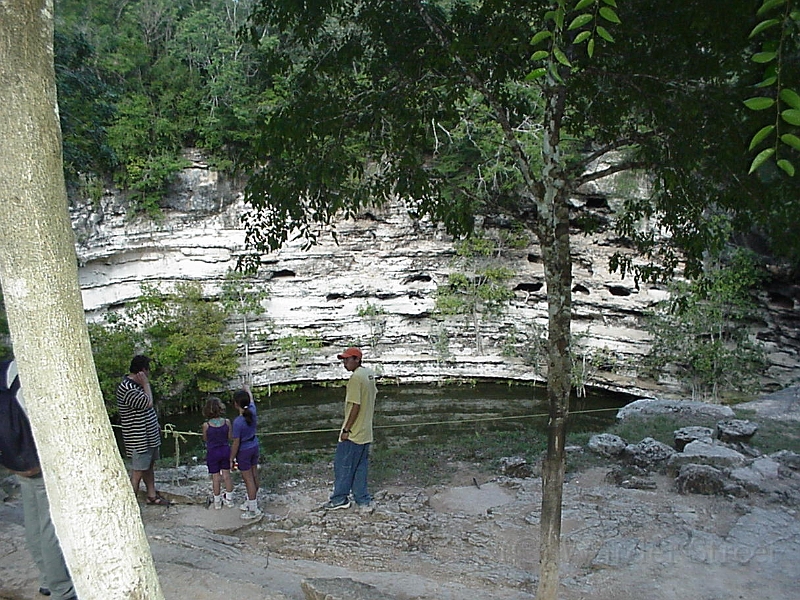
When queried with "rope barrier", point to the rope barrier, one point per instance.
{"points": [[169, 429], [425, 423]]}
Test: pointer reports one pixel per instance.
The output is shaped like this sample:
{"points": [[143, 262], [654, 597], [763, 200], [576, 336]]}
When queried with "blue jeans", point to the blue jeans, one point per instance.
{"points": [[350, 466]]}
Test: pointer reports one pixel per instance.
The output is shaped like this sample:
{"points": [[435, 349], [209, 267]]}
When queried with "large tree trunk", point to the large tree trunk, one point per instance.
{"points": [[553, 232], [93, 508], [558, 277]]}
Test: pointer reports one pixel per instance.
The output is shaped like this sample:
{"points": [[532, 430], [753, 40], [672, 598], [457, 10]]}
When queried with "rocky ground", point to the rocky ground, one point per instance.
{"points": [[476, 537]]}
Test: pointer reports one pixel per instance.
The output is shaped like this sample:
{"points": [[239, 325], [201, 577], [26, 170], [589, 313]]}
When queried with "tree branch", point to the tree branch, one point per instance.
{"points": [[494, 104]]}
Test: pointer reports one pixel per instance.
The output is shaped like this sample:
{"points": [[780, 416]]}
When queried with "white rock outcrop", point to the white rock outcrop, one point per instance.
{"points": [[383, 259]]}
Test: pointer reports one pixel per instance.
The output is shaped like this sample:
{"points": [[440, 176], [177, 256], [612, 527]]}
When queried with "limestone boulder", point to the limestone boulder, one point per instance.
{"points": [[686, 435], [706, 480], [607, 444], [687, 409], [714, 454], [736, 430], [649, 454]]}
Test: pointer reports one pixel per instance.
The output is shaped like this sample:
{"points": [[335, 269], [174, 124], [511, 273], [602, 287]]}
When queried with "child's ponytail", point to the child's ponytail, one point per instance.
{"points": [[242, 399]]}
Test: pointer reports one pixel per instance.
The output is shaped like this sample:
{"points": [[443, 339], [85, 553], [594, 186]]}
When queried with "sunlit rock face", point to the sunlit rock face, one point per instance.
{"points": [[392, 264]]}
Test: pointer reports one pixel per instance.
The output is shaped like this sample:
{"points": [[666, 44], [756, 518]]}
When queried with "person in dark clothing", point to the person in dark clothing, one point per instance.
{"points": [[19, 455]]}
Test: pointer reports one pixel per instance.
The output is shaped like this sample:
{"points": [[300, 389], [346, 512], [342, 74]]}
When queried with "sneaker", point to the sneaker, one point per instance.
{"points": [[243, 507], [228, 502], [367, 509], [217, 503], [251, 514], [331, 506]]}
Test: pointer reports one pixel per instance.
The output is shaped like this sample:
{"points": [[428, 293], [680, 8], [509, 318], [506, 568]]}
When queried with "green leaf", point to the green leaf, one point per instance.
{"points": [[791, 140], [764, 25], [769, 81], [759, 103], [590, 48], [768, 6], [583, 4], [540, 55], [611, 3], [763, 57], [760, 159], [609, 15], [540, 37], [792, 116], [579, 21], [761, 136], [790, 97], [536, 74], [559, 18], [561, 57], [582, 37], [786, 166], [555, 74], [603, 33]]}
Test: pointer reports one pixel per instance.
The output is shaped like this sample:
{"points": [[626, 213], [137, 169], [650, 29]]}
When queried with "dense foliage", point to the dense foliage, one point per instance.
{"points": [[476, 289], [345, 103], [184, 334], [701, 335], [430, 100], [140, 81]]}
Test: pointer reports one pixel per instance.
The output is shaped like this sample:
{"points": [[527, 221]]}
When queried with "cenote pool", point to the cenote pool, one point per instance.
{"points": [[308, 418]]}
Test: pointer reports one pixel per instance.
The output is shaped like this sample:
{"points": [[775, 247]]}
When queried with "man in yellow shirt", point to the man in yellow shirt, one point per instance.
{"points": [[351, 462]]}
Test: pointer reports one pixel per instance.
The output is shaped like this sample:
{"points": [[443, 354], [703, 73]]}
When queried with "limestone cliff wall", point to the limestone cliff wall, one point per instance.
{"points": [[387, 260]]}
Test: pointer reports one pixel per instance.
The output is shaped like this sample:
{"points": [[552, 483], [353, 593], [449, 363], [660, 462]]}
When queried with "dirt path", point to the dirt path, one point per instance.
{"points": [[463, 542], [456, 543], [473, 539]]}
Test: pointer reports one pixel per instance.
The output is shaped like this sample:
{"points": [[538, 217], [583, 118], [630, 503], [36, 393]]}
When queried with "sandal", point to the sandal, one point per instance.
{"points": [[158, 501]]}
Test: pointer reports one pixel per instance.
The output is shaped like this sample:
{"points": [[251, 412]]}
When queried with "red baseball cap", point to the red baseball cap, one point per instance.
{"points": [[350, 352]]}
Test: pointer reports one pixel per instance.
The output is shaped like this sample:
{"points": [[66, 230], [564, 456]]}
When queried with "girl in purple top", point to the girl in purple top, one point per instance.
{"points": [[245, 449], [217, 433]]}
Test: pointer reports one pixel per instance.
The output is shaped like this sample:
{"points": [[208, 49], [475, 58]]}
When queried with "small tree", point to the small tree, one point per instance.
{"points": [[183, 333], [702, 332], [477, 291], [243, 296], [439, 341], [529, 344], [375, 317], [295, 348]]}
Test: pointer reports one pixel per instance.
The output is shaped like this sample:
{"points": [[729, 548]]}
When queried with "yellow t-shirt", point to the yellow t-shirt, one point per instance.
{"points": [[361, 390]]}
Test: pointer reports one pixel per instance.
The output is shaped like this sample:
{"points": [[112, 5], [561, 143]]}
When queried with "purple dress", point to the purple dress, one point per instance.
{"points": [[218, 451]]}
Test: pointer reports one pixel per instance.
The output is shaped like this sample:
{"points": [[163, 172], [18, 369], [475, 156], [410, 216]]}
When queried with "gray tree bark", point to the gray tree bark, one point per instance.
{"points": [[552, 229], [94, 510]]}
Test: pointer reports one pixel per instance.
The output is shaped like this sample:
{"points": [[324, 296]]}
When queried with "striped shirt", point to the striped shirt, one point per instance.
{"points": [[140, 429]]}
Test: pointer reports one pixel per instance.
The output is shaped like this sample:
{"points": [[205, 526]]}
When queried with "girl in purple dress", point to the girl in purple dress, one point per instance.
{"points": [[245, 449], [217, 432]]}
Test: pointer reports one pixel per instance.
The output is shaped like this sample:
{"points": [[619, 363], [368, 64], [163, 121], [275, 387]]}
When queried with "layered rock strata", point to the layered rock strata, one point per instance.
{"points": [[388, 263]]}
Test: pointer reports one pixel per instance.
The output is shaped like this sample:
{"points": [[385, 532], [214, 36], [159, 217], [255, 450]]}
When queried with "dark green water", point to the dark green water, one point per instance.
{"points": [[309, 418]]}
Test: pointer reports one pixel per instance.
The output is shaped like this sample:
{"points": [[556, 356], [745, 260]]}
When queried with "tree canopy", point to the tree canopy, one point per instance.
{"points": [[140, 81], [509, 109], [431, 101]]}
